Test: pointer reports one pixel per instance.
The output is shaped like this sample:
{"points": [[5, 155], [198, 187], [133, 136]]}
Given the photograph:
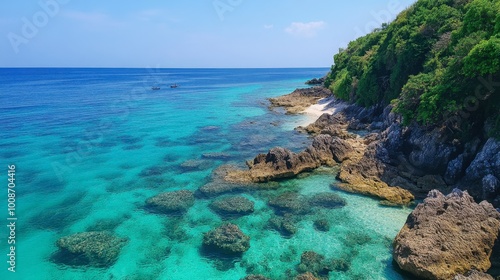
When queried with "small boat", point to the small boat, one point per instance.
{"points": [[155, 88], [173, 86]]}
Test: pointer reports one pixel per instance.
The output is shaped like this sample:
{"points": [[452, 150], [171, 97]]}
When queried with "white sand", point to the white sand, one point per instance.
{"points": [[313, 112]]}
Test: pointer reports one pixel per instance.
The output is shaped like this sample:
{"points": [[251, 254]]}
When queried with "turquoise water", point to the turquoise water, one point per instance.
{"points": [[91, 145]]}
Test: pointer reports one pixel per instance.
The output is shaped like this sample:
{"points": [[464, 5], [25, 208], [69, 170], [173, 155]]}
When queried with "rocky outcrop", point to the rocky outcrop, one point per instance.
{"points": [[300, 99], [171, 202], [97, 249], [233, 206], [316, 81], [447, 235], [362, 174], [280, 163], [333, 125], [484, 172], [227, 240]]}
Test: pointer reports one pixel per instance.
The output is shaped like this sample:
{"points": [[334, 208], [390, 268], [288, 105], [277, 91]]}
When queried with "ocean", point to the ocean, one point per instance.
{"points": [[90, 146]]}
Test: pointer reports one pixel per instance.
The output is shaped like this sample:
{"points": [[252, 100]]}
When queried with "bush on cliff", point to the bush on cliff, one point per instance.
{"points": [[434, 62]]}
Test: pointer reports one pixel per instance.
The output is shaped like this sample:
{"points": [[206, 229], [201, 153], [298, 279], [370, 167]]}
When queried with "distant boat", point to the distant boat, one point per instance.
{"points": [[155, 88], [174, 86]]}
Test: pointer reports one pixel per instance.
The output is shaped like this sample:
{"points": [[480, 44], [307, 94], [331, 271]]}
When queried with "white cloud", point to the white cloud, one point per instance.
{"points": [[268, 26], [305, 29]]}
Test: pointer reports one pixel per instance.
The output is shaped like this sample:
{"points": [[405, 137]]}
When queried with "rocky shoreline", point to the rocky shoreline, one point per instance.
{"points": [[380, 157]]}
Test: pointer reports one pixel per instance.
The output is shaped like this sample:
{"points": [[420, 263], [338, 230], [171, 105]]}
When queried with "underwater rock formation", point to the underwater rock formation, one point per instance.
{"points": [[171, 202], [234, 205], [93, 248], [227, 239]]}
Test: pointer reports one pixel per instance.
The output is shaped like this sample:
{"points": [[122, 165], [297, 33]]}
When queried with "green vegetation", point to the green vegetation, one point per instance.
{"points": [[434, 62]]}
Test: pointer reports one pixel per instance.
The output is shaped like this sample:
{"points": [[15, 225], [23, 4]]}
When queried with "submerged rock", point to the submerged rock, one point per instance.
{"points": [[216, 155], [195, 164], [447, 235], [314, 263], [235, 205], [89, 248], [289, 202], [327, 200], [306, 276], [227, 239], [255, 277], [321, 225], [213, 189], [284, 225], [171, 202]]}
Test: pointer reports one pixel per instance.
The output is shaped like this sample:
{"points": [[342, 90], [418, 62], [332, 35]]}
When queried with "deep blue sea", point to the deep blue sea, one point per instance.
{"points": [[91, 145]]}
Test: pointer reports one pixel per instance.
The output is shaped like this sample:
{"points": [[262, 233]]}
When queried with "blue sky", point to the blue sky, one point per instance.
{"points": [[202, 33]]}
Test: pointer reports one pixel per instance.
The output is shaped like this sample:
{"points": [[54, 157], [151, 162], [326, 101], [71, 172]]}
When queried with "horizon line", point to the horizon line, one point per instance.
{"points": [[111, 67]]}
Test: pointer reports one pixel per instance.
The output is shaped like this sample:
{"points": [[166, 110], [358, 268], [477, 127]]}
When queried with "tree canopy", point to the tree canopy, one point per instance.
{"points": [[431, 62]]}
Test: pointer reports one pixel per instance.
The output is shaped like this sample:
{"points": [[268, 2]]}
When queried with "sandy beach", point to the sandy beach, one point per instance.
{"points": [[313, 112]]}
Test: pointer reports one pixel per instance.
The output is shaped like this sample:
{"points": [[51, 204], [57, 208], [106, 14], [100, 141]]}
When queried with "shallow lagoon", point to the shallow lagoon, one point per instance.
{"points": [[90, 147]]}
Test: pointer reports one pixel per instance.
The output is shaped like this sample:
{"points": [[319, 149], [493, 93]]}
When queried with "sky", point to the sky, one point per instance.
{"points": [[190, 33]]}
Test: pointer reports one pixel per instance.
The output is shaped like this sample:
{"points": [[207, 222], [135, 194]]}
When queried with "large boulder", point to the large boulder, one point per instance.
{"points": [[93, 248], [447, 235], [280, 163], [428, 150], [485, 165], [227, 239], [171, 202]]}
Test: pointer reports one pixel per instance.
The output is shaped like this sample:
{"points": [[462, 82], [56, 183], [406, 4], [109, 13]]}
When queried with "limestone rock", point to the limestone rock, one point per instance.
{"points": [[90, 248], [321, 225], [327, 200], [171, 202], [447, 235], [284, 225], [314, 263], [473, 275], [233, 206], [227, 239], [289, 203], [280, 163]]}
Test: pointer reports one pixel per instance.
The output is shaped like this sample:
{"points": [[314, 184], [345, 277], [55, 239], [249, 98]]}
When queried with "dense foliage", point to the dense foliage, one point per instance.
{"points": [[438, 62]]}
